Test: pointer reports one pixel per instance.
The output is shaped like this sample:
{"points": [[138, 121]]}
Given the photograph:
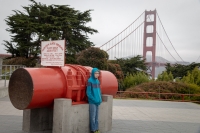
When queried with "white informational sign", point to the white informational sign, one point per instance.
{"points": [[53, 53]]}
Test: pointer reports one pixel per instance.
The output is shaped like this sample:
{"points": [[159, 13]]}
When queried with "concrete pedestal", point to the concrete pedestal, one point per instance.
{"points": [[38, 120], [67, 118]]}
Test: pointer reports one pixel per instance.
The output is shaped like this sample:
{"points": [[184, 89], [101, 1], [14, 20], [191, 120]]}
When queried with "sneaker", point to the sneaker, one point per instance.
{"points": [[97, 131], [92, 131]]}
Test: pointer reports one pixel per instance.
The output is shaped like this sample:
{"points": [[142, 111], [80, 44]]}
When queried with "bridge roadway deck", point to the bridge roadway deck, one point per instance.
{"points": [[129, 116]]}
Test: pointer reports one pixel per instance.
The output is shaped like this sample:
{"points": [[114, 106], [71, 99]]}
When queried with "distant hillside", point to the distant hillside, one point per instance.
{"points": [[160, 69]]}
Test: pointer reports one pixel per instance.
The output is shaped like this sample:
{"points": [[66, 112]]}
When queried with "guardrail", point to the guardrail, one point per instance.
{"points": [[159, 96], [6, 72]]}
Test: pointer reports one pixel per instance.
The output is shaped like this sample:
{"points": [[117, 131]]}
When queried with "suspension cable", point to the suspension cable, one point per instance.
{"points": [[168, 38], [125, 37], [165, 46], [197, 59], [122, 31], [161, 39]]}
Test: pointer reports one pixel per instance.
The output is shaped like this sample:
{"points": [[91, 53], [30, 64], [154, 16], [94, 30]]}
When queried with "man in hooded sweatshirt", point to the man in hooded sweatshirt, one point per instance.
{"points": [[94, 98]]}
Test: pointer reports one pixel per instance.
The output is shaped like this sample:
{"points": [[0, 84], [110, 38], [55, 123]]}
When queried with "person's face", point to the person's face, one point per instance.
{"points": [[96, 74]]}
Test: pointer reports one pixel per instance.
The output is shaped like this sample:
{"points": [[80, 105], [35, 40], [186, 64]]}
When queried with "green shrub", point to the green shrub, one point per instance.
{"points": [[193, 89], [165, 77], [136, 79], [93, 57], [192, 77], [166, 87]]}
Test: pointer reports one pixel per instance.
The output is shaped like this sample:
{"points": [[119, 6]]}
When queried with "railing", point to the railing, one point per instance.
{"points": [[6, 72], [159, 96]]}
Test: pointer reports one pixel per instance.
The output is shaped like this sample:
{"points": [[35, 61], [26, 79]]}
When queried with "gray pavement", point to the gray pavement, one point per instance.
{"points": [[3, 87], [129, 116], [145, 116], [4, 83]]}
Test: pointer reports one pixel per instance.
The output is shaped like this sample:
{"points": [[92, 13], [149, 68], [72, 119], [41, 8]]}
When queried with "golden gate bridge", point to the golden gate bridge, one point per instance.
{"points": [[145, 36]]}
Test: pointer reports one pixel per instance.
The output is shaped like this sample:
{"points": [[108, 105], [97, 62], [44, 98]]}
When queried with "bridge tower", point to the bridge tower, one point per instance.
{"points": [[152, 36]]}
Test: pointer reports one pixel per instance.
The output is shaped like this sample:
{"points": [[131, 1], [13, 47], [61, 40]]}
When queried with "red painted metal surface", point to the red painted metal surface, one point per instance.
{"points": [[152, 48], [38, 87], [48, 84]]}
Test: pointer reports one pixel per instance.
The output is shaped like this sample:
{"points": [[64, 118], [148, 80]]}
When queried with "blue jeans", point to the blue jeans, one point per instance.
{"points": [[93, 114]]}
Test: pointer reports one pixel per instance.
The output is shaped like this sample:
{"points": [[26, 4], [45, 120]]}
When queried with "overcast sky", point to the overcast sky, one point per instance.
{"points": [[181, 19]]}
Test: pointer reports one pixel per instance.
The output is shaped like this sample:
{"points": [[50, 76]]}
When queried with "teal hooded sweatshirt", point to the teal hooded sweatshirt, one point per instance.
{"points": [[93, 89]]}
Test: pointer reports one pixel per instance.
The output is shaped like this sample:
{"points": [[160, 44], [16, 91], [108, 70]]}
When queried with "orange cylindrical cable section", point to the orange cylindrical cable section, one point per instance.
{"points": [[38, 87], [48, 83]]}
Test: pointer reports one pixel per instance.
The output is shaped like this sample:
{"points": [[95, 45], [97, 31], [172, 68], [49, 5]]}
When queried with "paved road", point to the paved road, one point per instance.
{"points": [[129, 116]]}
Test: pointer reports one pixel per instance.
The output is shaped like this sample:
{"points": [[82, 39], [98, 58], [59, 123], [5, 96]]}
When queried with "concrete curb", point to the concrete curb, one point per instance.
{"points": [[3, 91]]}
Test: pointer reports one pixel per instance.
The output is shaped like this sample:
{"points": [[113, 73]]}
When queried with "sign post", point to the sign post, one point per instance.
{"points": [[53, 53]]}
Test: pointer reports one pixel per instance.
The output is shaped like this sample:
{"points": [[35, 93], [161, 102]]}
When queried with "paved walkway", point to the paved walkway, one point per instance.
{"points": [[144, 116], [3, 83], [129, 116], [3, 88]]}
